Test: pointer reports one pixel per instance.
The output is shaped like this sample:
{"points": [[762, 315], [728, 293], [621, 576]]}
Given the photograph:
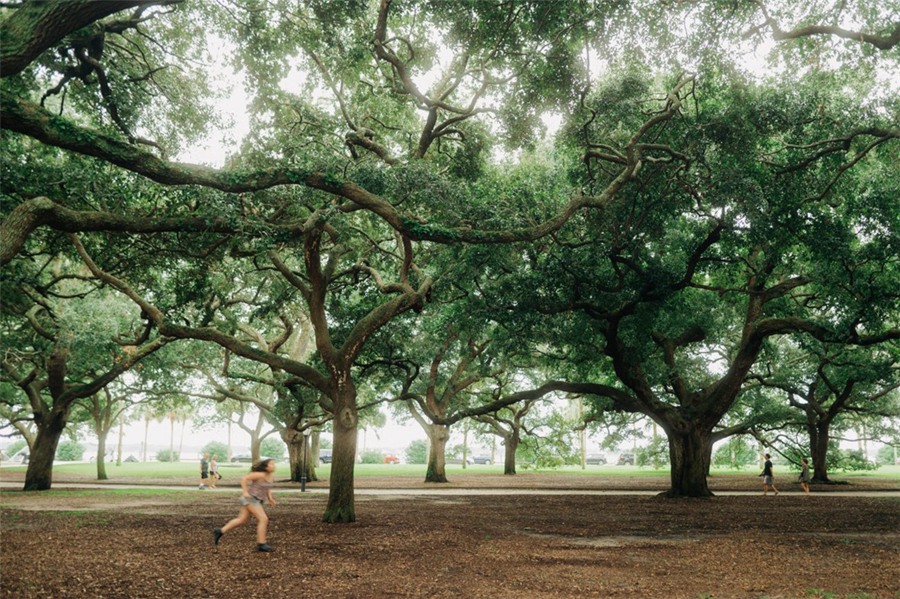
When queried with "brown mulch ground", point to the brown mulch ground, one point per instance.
{"points": [[140, 544]]}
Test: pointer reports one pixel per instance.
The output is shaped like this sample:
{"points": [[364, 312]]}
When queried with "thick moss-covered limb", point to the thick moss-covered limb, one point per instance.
{"points": [[30, 119], [37, 26], [780, 326], [229, 342], [882, 42], [41, 211], [622, 400]]}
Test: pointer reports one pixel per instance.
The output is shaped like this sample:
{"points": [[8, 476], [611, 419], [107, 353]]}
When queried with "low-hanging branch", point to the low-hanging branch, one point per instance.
{"points": [[166, 328], [882, 42], [37, 26], [30, 119]]}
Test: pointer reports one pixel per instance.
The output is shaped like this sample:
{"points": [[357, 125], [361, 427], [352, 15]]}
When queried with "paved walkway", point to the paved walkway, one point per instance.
{"points": [[448, 491]]}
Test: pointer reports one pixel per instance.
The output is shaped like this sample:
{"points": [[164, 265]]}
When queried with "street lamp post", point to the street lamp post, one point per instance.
{"points": [[303, 461]]}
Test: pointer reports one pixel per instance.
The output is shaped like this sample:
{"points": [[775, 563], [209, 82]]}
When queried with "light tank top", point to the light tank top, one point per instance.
{"points": [[260, 488]]}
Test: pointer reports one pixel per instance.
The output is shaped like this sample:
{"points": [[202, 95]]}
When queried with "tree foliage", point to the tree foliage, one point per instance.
{"points": [[401, 176]]}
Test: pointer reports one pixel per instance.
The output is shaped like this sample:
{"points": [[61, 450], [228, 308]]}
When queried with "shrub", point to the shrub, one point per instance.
{"points": [[372, 456], [737, 453], [70, 451], [885, 456], [166, 455], [854, 460], [216, 448], [272, 447], [416, 452], [549, 461], [656, 454]]}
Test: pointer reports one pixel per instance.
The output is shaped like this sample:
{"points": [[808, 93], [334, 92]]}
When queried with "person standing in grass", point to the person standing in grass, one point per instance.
{"points": [[214, 471], [768, 476], [256, 489], [804, 475], [204, 471]]}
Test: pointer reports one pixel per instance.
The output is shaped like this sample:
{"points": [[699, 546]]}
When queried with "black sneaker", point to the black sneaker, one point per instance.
{"points": [[264, 547], [217, 534]]}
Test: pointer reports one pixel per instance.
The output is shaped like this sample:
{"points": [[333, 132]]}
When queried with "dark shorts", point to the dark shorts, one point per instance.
{"points": [[204, 475], [767, 480]]}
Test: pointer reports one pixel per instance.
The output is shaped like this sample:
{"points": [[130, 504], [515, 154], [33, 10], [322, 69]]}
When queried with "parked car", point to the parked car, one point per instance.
{"points": [[324, 456], [390, 458], [595, 459], [482, 459], [242, 457], [459, 461], [625, 459]]}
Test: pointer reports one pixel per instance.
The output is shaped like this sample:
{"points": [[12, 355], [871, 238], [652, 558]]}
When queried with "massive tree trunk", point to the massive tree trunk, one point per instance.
{"points": [[436, 472], [819, 435], [341, 507], [294, 442], [689, 453], [509, 455], [39, 475], [37, 26], [101, 455]]}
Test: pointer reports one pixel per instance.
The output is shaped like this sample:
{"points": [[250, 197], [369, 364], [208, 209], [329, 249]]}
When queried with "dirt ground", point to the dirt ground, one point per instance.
{"points": [[533, 536]]}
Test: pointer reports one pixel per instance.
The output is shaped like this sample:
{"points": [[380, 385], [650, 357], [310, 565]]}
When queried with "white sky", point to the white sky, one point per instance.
{"points": [[393, 437]]}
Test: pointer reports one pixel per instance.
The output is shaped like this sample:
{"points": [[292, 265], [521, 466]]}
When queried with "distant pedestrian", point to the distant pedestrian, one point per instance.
{"points": [[204, 471], [804, 475], [214, 471], [256, 489], [768, 476]]}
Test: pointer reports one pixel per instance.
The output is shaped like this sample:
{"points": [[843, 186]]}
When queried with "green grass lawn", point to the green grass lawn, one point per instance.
{"points": [[188, 471]]}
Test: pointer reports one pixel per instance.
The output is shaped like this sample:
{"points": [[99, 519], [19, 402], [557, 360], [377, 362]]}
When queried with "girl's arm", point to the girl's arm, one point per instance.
{"points": [[271, 499]]}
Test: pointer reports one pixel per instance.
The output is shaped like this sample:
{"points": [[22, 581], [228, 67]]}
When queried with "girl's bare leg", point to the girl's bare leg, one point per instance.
{"points": [[262, 522], [240, 520]]}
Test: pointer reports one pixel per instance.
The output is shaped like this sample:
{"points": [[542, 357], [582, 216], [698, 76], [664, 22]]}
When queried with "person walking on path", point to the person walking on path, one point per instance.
{"points": [[213, 471], [204, 471], [256, 488], [804, 475], [768, 477]]}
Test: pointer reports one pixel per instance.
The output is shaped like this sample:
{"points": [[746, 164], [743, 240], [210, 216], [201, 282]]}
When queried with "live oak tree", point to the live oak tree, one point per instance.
{"points": [[310, 226], [509, 424], [65, 342], [718, 249], [380, 141], [827, 384], [438, 391], [106, 408]]}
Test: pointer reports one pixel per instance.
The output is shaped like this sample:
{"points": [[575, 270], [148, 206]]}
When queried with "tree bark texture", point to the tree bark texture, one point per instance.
{"points": [[295, 452], [341, 505], [39, 475], [436, 472], [509, 456], [101, 456], [820, 434], [689, 453], [36, 26]]}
